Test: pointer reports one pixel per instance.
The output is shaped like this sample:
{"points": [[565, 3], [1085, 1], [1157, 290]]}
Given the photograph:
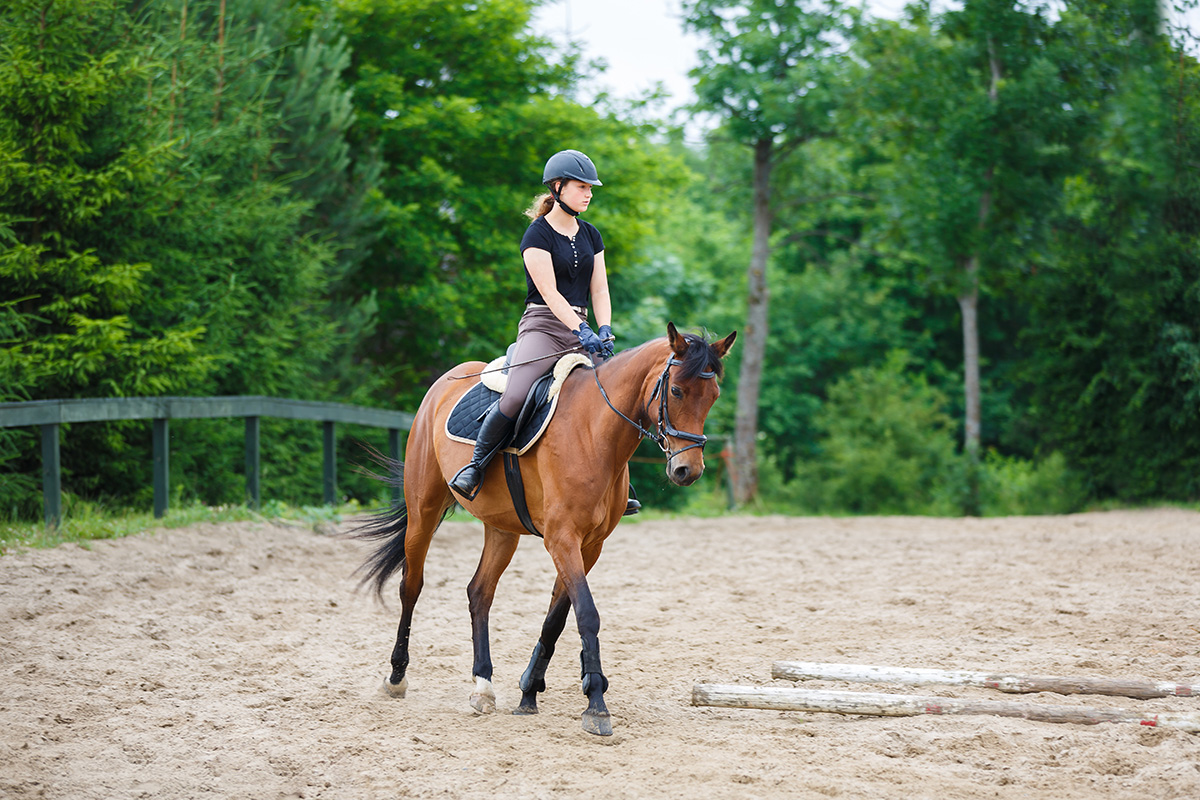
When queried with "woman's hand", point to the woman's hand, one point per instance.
{"points": [[606, 341], [588, 338]]}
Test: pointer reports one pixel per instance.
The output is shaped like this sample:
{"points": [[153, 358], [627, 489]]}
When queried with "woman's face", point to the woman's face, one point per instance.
{"points": [[576, 194]]}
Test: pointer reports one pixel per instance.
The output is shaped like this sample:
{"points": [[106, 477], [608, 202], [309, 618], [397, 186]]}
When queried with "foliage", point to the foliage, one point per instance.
{"points": [[75, 158], [769, 75], [886, 443], [1113, 336], [1019, 486], [465, 107], [323, 200]]}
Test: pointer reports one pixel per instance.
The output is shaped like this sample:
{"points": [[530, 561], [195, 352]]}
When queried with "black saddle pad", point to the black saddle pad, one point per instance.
{"points": [[467, 415]]}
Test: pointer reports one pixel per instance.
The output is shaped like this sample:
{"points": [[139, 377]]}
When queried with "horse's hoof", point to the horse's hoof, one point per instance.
{"points": [[599, 724], [483, 699], [483, 704], [395, 689], [526, 710]]}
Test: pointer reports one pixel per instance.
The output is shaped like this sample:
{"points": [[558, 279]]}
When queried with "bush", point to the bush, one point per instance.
{"points": [[1014, 486], [886, 446]]}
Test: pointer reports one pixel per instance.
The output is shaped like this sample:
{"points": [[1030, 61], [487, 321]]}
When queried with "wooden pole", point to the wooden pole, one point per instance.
{"points": [[161, 444], [51, 476], [253, 463], [330, 469], [899, 705], [1013, 684]]}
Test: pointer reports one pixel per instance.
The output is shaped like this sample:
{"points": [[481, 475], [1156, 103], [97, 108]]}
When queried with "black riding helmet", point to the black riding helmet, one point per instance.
{"points": [[570, 164]]}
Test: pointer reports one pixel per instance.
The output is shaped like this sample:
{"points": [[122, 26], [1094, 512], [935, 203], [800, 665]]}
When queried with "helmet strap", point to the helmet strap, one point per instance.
{"points": [[561, 204]]}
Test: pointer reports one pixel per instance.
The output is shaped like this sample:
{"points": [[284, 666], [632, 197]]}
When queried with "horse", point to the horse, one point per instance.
{"points": [[576, 479]]}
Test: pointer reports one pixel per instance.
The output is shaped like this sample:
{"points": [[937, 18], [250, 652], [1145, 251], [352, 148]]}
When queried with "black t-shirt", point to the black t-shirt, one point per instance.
{"points": [[573, 259]]}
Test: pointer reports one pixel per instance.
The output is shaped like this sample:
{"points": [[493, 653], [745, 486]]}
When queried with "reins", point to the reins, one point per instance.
{"points": [[502, 367], [519, 364], [664, 426]]}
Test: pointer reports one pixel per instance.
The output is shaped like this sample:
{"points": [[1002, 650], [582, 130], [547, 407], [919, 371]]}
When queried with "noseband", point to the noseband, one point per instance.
{"points": [[664, 428]]}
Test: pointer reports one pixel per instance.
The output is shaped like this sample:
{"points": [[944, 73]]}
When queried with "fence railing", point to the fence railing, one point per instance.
{"points": [[49, 415]]}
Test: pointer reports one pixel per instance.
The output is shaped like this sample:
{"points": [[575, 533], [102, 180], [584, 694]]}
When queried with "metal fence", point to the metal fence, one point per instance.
{"points": [[49, 415]]}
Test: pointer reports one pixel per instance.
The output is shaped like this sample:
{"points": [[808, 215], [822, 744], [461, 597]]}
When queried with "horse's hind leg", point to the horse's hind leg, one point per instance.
{"points": [[427, 499], [421, 526], [498, 549]]}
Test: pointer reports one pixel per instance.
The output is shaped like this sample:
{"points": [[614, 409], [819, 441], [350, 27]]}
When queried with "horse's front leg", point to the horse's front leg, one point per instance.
{"points": [[569, 561], [498, 549], [533, 680]]}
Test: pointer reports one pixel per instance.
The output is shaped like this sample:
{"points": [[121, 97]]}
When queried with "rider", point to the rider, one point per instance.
{"points": [[564, 263]]}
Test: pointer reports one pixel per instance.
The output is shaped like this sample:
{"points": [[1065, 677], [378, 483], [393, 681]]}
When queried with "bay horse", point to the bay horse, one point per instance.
{"points": [[576, 479]]}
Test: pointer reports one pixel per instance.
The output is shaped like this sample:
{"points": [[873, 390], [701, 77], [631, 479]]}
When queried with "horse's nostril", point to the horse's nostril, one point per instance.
{"points": [[681, 473]]}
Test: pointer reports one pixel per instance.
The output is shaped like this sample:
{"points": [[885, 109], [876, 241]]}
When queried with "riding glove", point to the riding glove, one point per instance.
{"points": [[606, 341], [588, 338]]}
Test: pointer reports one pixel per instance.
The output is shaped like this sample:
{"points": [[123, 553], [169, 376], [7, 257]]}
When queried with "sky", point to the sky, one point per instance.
{"points": [[644, 43]]}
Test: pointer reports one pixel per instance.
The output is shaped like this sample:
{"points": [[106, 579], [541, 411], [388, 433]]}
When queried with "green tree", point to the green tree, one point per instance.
{"points": [[74, 158], [1113, 335], [78, 165], [266, 218], [974, 118], [179, 210], [465, 107], [768, 76]]}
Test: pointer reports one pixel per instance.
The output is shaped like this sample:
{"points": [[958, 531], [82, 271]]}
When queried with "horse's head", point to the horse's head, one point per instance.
{"points": [[682, 399]]}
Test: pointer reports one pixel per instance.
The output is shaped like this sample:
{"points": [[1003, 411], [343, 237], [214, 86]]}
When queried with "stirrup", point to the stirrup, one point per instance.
{"points": [[473, 491], [632, 506]]}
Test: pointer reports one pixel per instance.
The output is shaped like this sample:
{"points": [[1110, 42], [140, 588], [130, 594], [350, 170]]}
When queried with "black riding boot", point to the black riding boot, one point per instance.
{"points": [[632, 506], [493, 436]]}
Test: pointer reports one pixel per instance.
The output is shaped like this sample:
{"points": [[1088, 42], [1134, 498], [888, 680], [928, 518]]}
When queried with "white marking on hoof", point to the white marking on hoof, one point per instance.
{"points": [[483, 699], [395, 689]]}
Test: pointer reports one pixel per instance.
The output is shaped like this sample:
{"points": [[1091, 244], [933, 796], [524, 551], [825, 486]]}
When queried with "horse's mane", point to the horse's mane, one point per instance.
{"points": [[700, 357]]}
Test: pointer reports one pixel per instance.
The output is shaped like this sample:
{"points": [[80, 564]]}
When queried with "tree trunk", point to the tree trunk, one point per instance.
{"points": [[745, 463], [968, 302]]}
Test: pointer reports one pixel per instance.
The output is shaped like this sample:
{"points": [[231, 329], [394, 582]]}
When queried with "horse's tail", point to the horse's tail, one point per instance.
{"points": [[388, 527]]}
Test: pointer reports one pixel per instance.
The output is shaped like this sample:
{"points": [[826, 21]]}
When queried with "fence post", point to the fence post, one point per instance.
{"points": [[162, 466], [330, 463], [51, 476], [253, 487], [394, 454]]}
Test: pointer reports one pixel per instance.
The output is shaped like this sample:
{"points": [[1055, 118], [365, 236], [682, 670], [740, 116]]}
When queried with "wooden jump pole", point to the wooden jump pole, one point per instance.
{"points": [[1013, 684], [895, 705]]}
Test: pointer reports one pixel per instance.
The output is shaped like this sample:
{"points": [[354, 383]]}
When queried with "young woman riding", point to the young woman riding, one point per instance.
{"points": [[564, 264]]}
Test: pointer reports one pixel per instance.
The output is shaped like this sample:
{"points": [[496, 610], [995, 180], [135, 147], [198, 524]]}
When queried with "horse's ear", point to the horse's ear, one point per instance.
{"points": [[722, 347], [676, 340]]}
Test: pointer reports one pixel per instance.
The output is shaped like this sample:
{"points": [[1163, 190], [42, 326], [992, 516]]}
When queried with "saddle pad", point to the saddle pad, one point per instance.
{"points": [[467, 415], [495, 375]]}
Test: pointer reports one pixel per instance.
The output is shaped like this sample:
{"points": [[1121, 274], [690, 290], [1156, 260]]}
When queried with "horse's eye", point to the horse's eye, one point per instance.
{"points": [[677, 392]]}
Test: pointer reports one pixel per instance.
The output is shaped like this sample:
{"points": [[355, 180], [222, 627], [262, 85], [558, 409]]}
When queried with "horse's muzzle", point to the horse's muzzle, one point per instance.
{"points": [[684, 474]]}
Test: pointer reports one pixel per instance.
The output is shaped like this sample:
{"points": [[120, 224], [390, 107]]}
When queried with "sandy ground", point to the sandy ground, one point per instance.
{"points": [[238, 661]]}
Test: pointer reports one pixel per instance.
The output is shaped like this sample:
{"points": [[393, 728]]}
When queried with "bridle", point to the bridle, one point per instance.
{"points": [[664, 428]]}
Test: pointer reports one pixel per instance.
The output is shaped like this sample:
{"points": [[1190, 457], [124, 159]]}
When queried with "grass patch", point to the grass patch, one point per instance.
{"points": [[85, 522]]}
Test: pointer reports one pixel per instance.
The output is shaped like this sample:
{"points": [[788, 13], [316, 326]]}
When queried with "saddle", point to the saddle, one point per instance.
{"points": [[466, 418], [467, 415]]}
